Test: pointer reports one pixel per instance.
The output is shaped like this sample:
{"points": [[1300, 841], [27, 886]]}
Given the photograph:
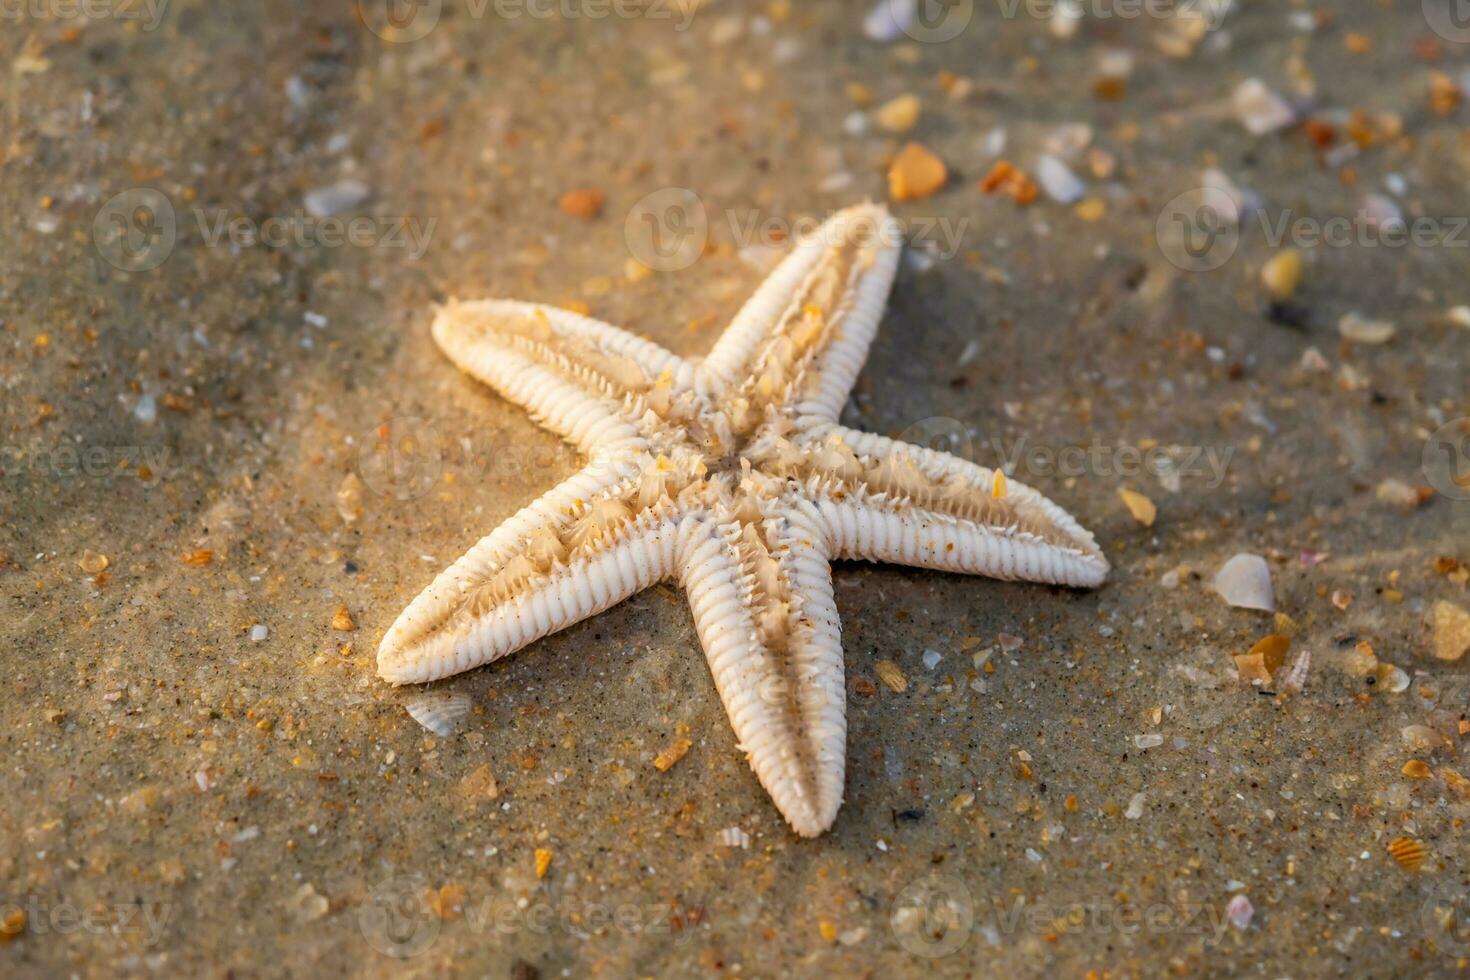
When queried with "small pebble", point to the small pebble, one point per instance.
{"points": [[915, 174], [259, 632], [1066, 17], [1058, 180], [1382, 213], [306, 905], [1259, 109], [1240, 911], [585, 203], [1282, 274], [898, 115], [1451, 630], [1135, 806], [1143, 509], [889, 20], [1361, 330], [323, 202], [92, 562], [1397, 493]]}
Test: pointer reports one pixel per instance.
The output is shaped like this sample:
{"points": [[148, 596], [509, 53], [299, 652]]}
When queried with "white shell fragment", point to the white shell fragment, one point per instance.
{"points": [[1058, 180], [888, 20], [1240, 911], [731, 477], [441, 712], [1362, 330], [323, 202], [1259, 109], [734, 837], [1245, 582]]}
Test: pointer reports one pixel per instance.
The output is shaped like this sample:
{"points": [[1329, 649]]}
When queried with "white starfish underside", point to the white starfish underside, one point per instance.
{"points": [[732, 477]]}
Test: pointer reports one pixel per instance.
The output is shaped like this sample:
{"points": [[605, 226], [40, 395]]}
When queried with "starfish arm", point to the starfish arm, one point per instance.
{"points": [[587, 380], [761, 594], [582, 547], [891, 501], [802, 337]]}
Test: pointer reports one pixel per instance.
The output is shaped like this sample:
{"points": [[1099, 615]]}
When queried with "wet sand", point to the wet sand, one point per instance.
{"points": [[221, 429]]}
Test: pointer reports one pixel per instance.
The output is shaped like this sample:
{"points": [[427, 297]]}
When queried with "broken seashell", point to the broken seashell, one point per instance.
{"points": [[1408, 852], [441, 712], [1259, 109], [1245, 582], [1361, 330]]}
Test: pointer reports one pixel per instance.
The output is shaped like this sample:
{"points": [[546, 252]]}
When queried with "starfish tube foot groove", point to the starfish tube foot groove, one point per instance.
{"points": [[732, 477]]}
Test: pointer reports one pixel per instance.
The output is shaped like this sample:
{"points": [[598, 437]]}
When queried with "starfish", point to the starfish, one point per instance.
{"points": [[731, 476]]}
